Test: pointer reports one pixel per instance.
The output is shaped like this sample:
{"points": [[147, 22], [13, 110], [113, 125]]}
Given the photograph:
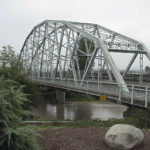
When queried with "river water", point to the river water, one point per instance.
{"points": [[77, 110]]}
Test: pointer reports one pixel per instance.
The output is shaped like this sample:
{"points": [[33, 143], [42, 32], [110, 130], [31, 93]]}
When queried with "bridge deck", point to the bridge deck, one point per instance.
{"points": [[137, 95]]}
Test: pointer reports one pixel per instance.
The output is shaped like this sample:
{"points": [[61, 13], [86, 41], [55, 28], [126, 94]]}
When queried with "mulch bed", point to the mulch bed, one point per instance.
{"points": [[81, 139]]}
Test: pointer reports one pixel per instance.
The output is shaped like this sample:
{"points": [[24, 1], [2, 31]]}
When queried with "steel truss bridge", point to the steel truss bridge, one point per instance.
{"points": [[74, 56]]}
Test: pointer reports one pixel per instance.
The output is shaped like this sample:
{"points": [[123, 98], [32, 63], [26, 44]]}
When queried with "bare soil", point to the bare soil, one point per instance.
{"points": [[81, 139]]}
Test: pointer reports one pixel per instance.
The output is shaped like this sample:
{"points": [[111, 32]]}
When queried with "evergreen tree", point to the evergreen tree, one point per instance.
{"points": [[82, 46]]}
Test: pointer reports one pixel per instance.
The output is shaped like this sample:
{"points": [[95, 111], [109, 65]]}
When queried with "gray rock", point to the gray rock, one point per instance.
{"points": [[123, 136]]}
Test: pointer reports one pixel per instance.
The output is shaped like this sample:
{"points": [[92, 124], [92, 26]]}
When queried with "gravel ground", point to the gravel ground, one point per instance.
{"points": [[81, 139]]}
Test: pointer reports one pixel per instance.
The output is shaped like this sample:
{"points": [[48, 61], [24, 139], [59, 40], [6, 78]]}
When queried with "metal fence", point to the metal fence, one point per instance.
{"points": [[134, 95]]}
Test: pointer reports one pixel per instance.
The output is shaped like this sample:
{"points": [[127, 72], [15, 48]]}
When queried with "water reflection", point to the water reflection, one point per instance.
{"points": [[78, 110], [107, 111], [60, 111]]}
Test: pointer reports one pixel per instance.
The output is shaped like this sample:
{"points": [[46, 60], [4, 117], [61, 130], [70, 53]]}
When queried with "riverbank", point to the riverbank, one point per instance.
{"points": [[51, 124], [136, 117], [85, 138], [87, 134]]}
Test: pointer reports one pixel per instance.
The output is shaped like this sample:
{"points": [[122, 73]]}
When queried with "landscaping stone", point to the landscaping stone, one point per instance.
{"points": [[123, 136]]}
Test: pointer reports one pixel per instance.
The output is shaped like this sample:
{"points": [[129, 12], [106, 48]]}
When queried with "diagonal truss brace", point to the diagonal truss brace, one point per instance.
{"points": [[113, 67], [103, 43], [130, 64], [107, 56]]}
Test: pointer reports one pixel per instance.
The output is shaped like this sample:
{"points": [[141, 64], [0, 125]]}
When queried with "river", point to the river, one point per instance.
{"points": [[77, 110]]}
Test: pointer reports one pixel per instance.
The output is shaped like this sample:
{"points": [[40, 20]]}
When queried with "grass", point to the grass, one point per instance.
{"points": [[85, 123]]}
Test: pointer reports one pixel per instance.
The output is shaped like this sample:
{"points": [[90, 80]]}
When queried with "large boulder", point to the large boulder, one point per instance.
{"points": [[123, 136]]}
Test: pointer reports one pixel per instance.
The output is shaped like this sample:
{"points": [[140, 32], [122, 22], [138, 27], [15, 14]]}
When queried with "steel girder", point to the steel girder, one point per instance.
{"points": [[52, 49]]}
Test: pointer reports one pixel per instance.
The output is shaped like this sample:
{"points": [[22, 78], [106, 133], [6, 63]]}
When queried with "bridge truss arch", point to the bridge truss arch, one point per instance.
{"points": [[53, 49]]}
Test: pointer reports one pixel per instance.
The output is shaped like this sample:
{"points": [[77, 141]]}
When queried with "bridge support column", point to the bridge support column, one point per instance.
{"points": [[60, 96]]}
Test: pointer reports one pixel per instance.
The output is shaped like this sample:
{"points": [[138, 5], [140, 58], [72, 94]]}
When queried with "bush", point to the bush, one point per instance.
{"points": [[141, 118], [12, 101]]}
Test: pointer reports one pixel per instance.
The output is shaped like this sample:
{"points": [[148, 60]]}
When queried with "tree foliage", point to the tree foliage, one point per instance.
{"points": [[84, 45], [11, 68], [147, 69]]}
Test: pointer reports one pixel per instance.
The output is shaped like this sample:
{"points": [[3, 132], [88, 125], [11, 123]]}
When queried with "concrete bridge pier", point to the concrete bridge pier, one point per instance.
{"points": [[60, 111], [60, 96]]}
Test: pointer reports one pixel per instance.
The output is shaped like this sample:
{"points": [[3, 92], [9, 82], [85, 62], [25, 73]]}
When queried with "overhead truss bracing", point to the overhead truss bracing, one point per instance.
{"points": [[71, 50]]}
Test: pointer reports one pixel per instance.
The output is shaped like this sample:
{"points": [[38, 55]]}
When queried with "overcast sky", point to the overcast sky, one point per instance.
{"points": [[129, 17]]}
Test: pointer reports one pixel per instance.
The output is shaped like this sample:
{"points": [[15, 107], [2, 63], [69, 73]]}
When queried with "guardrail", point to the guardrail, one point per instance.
{"points": [[137, 95]]}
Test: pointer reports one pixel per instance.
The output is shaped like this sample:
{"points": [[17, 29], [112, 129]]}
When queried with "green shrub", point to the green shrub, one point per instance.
{"points": [[141, 118], [12, 101], [21, 138]]}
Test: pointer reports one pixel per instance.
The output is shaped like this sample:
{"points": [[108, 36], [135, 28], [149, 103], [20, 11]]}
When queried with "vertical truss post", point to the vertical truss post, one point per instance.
{"points": [[66, 55], [51, 49], [141, 69], [27, 66], [95, 29], [98, 71], [87, 55], [112, 40], [78, 67], [51, 57], [87, 52], [108, 71], [51, 63], [75, 52], [32, 49], [102, 65], [43, 48], [71, 58], [59, 52], [37, 48], [33, 41], [67, 49]]}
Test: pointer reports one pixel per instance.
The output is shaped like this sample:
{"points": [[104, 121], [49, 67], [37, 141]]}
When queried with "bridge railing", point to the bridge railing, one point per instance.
{"points": [[137, 95]]}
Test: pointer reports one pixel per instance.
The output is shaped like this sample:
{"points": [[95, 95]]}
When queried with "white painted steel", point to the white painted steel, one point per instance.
{"points": [[52, 50]]}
